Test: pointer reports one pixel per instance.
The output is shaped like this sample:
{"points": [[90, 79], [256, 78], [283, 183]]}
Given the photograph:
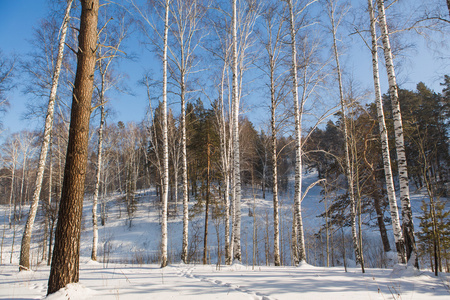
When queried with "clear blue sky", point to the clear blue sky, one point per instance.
{"points": [[18, 17], [17, 20]]}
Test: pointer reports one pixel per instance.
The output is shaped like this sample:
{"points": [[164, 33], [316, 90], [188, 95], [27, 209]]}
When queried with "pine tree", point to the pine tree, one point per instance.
{"points": [[66, 254]]}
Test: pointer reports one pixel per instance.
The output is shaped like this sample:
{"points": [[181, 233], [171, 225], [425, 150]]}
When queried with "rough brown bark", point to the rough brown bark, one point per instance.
{"points": [[448, 5], [65, 260]]}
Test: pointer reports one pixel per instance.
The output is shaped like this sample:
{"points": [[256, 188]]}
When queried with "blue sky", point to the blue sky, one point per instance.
{"points": [[17, 20], [18, 17]]}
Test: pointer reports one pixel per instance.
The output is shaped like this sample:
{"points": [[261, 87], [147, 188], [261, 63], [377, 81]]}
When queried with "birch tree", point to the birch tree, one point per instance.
{"points": [[7, 70], [335, 21], [236, 157], [165, 187], [65, 260], [398, 236], [298, 239], [274, 24], [24, 263], [407, 221], [187, 32], [109, 44], [11, 148]]}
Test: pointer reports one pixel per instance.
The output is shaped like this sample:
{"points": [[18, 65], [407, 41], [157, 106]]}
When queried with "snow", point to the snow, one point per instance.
{"points": [[115, 277], [179, 281]]}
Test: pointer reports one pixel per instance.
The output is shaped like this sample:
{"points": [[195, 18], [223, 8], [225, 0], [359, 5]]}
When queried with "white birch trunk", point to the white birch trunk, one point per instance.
{"points": [[97, 179], [398, 236], [24, 263], [11, 187], [165, 187], [236, 158], [184, 250], [298, 111], [348, 166], [276, 227], [224, 156], [407, 221]]}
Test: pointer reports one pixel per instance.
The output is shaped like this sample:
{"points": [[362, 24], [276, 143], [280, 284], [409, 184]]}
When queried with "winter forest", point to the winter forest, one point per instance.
{"points": [[263, 144]]}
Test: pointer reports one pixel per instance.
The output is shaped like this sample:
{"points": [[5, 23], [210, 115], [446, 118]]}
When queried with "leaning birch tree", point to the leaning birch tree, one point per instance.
{"points": [[395, 220], [407, 221], [24, 262]]}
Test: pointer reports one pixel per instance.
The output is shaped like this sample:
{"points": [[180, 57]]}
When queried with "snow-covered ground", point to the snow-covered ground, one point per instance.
{"points": [[128, 260], [178, 281]]}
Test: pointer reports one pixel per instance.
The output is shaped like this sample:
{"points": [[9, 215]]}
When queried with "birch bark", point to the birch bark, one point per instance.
{"points": [[165, 187], [348, 167], [24, 262], [97, 178], [225, 161], [398, 236], [298, 112], [273, 47], [407, 221], [236, 158]]}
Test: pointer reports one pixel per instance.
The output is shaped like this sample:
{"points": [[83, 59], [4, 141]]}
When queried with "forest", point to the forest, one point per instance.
{"points": [[243, 97]]}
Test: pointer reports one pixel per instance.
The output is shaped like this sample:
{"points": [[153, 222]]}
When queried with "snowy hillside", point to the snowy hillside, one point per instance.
{"points": [[128, 264]]}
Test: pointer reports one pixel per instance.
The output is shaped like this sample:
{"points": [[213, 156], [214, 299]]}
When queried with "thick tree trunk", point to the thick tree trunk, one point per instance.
{"points": [[448, 6], [65, 261], [236, 155], [407, 221], [298, 112], [24, 263], [165, 187], [398, 236]]}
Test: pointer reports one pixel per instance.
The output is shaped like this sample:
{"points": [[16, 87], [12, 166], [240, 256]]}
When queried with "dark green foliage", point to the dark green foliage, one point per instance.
{"points": [[435, 230]]}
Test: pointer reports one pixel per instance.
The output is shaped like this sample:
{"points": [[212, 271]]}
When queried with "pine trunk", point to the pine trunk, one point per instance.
{"points": [[165, 188], [407, 221], [66, 254], [398, 236], [448, 6], [24, 263]]}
